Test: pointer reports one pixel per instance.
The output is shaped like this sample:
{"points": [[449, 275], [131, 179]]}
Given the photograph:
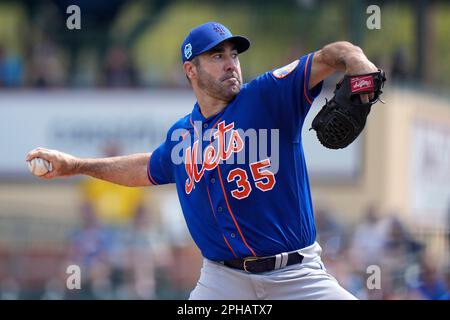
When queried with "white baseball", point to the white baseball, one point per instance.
{"points": [[39, 166]]}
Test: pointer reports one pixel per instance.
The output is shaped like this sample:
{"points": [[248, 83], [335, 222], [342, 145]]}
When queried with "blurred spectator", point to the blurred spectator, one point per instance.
{"points": [[88, 249], [142, 257], [47, 67], [368, 240], [332, 238], [399, 240], [11, 69], [330, 232], [399, 68], [366, 250], [432, 284], [119, 70], [183, 259], [447, 278], [400, 251], [128, 271], [90, 242], [2, 67], [115, 206]]}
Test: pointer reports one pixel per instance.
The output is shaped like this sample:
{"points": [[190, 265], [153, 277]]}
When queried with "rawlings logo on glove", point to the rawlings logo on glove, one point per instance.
{"points": [[359, 84], [342, 119]]}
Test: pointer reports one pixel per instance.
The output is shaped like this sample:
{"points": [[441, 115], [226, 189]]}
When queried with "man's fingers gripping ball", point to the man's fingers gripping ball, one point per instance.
{"points": [[39, 153], [39, 166], [43, 163], [60, 164]]}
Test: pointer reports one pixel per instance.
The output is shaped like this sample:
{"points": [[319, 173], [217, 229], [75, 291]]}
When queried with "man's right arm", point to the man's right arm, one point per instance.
{"points": [[128, 170]]}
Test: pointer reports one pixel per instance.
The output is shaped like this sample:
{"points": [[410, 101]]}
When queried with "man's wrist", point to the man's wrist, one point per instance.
{"points": [[77, 166]]}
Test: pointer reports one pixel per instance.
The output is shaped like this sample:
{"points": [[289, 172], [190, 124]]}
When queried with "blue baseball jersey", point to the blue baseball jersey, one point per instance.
{"points": [[241, 175]]}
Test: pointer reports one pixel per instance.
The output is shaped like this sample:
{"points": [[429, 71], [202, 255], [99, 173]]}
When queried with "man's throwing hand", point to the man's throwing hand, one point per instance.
{"points": [[62, 164]]}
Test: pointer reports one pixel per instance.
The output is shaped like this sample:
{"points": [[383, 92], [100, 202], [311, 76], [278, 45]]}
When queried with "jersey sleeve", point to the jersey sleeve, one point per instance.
{"points": [[160, 166], [286, 88]]}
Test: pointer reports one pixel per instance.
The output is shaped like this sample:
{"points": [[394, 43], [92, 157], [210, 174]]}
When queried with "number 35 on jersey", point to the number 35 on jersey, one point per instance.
{"points": [[263, 178]]}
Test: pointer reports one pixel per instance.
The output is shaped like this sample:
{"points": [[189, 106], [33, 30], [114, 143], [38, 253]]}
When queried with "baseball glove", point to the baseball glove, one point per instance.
{"points": [[342, 118]]}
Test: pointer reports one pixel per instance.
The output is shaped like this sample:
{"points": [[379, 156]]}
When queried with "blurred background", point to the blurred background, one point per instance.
{"points": [[116, 85]]}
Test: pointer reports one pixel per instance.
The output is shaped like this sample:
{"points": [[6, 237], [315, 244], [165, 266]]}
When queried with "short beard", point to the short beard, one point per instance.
{"points": [[217, 88]]}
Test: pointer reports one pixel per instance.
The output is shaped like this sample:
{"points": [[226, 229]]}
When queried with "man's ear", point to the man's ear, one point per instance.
{"points": [[190, 69]]}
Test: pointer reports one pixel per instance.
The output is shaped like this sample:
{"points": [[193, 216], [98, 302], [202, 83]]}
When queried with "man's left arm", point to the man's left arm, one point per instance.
{"points": [[339, 56]]}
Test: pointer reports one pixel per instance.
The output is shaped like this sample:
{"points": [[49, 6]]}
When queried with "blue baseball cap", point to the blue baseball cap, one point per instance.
{"points": [[207, 36]]}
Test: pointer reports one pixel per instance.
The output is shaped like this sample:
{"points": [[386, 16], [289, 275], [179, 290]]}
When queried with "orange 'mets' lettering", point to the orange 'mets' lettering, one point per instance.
{"points": [[211, 156]]}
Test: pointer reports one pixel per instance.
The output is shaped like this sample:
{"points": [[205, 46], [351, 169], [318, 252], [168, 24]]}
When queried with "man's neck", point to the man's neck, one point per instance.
{"points": [[210, 106]]}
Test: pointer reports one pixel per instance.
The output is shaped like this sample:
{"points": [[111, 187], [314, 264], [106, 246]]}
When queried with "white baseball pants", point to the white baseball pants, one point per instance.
{"points": [[308, 280]]}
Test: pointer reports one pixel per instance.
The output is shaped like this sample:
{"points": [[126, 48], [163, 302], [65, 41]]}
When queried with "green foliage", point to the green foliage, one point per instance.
{"points": [[11, 25], [441, 52], [281, 32]]}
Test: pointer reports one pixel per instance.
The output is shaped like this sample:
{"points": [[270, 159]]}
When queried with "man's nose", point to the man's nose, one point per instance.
{"points": [[230, 64]]}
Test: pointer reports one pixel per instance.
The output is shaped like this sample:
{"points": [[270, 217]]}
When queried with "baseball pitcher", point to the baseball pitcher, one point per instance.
{"points": [[246, 201]]}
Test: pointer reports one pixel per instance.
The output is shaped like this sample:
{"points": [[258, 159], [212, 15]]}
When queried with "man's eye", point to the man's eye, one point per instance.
{"points": [[217, 56], [234, 55]]}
